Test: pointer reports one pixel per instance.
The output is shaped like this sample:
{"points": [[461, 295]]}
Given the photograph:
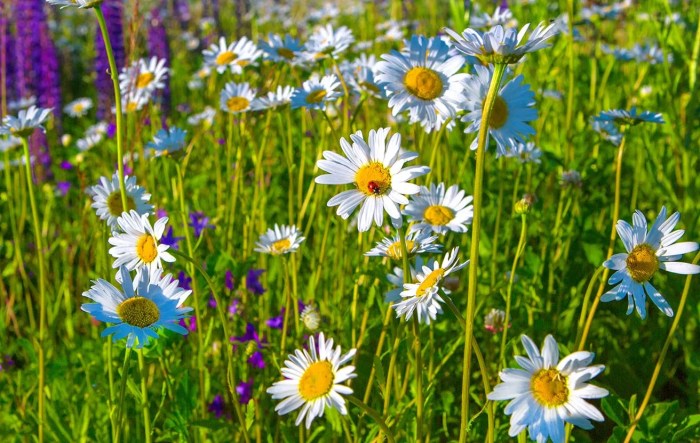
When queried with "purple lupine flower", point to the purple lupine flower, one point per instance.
{"points": [[27, 49], [217, 406], [169, 239], [252, 281], [229, 280], [48, 85], [185, 281], [245, 391], [199, 222], [112, 10], [63, 188], [233, 307], [158, 46], [7, 51], [182, 11]]}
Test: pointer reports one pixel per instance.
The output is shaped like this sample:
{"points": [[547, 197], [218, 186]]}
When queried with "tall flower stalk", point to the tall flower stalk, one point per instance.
{"points": [[498, 72]]}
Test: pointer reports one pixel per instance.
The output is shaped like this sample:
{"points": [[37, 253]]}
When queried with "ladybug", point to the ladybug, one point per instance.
{"points": [[374, 188]]}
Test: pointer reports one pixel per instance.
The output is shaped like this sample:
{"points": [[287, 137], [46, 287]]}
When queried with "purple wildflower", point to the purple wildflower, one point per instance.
{"points": [[276, 322], [48, 88], [252, 281], [199, 222], [185, 281], [169, 239], [256, 360], [66, 165], [212, 302], [217, 406], [245, 391], [229, 280], [190, 323], [111, 130], [158, 46], [63, 188], [160, 213], [7, 51], [233, 307]]}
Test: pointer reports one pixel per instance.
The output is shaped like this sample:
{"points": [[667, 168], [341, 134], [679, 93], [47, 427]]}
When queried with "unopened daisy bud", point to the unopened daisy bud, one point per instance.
{"points": [[523, 206], [66, 139], [310, 317], [494, 320]]}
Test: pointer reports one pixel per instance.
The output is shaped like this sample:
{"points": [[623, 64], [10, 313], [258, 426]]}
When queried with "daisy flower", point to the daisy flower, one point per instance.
{"points": [[279, 97], [236, 97], [328, 41], [498, 45], [647, 252], [79, 107], [137, 246], [501, 17], [169, 285], [10, 142], [607, 130], [205, 117], [438, 210], [107, 199], [22, 103], [167, 140], [280, 240], [137, 311], [89, 141], [280, 49], [313, 381], [547, 392], [422, 297], [397, 280], [512, 109], [631, 117], [133, 101], [494, 321], [25, 123], [232, 56], [417, 242], [315, 92], [310, 317], [144, 76], [424, 81], [83, 4], [525, 152], [376, 169]]}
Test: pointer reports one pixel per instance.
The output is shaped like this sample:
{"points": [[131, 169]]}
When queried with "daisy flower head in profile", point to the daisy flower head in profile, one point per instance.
{"points": [[512, 110], [547, 393], [499, 45], [78, 107], [236, 97], [440, 210], [280, 240], [396, 278], [167, 141], [423, 80], [631, 117], [138, 310], [423, 296], [133, 101], [314, 380], [285, 49], [417, 242], [316, 92], [273, 99], [25, 123], [647, 252], [607, 130], [376, 168], [144, 76], [107, 200], [83, 4], [501, 17], [233, 56], [136, 246], [327, 41], [525, 152]]}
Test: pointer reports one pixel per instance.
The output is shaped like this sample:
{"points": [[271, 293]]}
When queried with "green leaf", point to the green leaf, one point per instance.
{"points": [[614, 409]]}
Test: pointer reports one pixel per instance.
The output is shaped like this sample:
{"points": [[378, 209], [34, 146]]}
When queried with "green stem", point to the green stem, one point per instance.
{"points": [[122, 393], [375, 416], [114, 75], [506, 318], [664, 350], [419, 380], [144, 398], [42, 285], [474, 252]]}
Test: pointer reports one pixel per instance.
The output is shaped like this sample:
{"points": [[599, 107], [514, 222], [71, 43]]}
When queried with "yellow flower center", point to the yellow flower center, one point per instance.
{"points": [[642, 263], [146, 248], [438, 215], [144, 79], [225, 58], [281, 246], [429, 281], [316, 96], [138, 311], [499, 113], [549, 387], [78, 108], [237, 104], [114, 203], [243, 62], [286, 53], [373, 179], [424, 83], [132, 106], [317, 380], [396, 252]]}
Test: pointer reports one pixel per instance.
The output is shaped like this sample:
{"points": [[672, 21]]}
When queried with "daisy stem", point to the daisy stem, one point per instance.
{"points": [[287, 307], [419, 380], [662, 356], [474, 251], [114, 74], [144, 398], [613, 232], [375, 416], [42, 284], [506, 319], [482, 367], [122, 392]]}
